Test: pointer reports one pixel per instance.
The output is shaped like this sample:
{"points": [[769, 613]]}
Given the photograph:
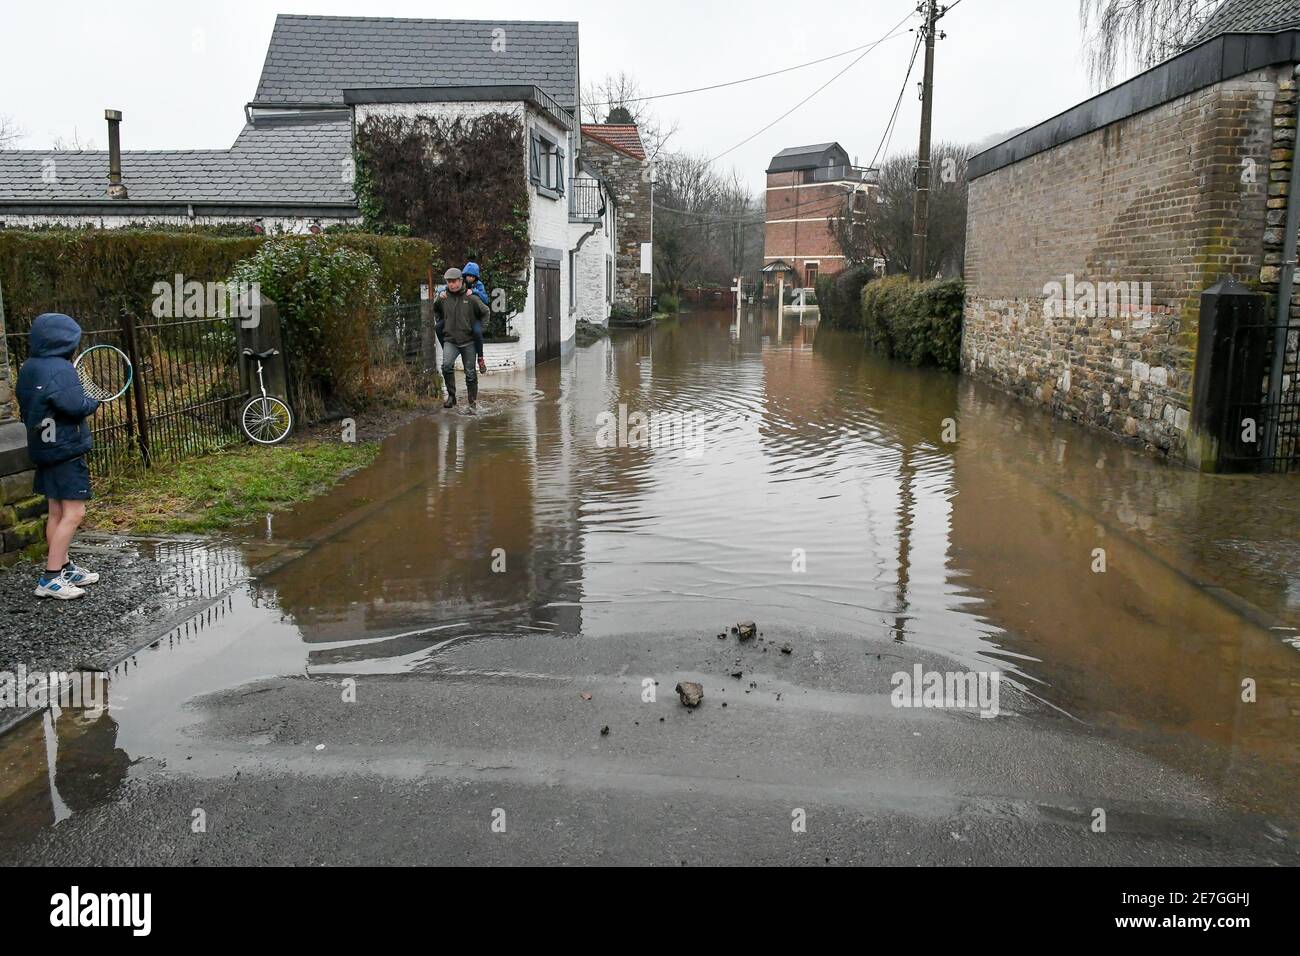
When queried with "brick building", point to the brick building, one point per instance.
{"points": [[806, 185], [1091, 236], [614, 151]]}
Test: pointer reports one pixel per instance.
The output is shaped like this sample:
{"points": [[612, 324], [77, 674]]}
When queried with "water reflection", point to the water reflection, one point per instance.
{"points": [[825, 496]]}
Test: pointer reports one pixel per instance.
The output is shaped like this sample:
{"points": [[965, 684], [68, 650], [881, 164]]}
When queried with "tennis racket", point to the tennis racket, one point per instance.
{"points": [[105, 372]]}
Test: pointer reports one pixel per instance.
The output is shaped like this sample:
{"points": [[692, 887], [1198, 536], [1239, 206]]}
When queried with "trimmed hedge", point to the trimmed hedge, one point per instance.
{"points": [[94, 272], [330, 288], [839, 296], [915, 322]]}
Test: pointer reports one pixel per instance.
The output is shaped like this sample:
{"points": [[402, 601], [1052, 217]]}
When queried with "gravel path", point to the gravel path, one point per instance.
{"points": [[137, 590]]}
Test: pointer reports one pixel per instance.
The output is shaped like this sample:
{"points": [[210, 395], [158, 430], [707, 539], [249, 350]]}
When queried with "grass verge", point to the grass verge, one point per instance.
{"points": [[224, 489]]}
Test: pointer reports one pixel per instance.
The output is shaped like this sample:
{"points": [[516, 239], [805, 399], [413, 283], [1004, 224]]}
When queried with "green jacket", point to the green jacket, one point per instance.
{"points": [[458, 312]]}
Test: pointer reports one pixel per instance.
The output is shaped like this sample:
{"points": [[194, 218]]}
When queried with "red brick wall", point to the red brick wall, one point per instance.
{"points": [[809, 238], [1157, 198]]}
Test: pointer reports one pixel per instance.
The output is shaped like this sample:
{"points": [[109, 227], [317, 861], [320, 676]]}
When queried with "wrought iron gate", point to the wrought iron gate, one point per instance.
{"points": [[184, 400]]}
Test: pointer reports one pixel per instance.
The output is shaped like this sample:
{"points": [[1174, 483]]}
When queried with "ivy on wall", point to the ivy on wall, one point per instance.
{"points": [[459, 182]]}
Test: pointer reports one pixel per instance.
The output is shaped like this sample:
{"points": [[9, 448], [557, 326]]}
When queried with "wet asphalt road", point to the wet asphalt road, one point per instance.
{"points": [[468, 738], [419, 768]]}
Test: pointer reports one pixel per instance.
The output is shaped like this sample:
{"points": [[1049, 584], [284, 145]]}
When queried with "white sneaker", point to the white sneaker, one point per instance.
{"points": [[60, 588], [79, 575]]}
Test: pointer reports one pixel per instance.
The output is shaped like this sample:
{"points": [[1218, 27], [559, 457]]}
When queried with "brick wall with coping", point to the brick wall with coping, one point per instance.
{"points": [[1172, 199]]}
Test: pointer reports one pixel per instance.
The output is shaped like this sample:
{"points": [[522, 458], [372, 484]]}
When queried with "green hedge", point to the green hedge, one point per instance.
{"points": [[839, 296], [915, 322], [94, 272]]}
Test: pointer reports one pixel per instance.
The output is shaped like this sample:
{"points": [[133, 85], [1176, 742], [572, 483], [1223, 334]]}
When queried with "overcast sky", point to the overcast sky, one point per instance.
{"points": [[181, 72]]}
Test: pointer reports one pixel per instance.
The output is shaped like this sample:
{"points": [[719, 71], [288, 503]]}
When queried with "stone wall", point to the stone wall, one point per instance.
{"points": [[1136, 219], [22, 527], [633, 191]]}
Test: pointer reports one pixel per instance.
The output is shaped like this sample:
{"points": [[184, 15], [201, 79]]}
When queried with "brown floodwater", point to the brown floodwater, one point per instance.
{"points": [[809, 484]]}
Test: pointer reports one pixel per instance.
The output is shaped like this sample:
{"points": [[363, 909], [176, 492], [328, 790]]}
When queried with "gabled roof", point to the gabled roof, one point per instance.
{"points": [[275, 161], [624, 137], [1249, 16], [806, 157], [312, 59]]}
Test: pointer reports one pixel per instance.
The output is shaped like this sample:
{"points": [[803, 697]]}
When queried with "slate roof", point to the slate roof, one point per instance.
{"points": [[297, 161], [312, 59], [275, 161], [1249, 16], [623, 137], [805, 157]]}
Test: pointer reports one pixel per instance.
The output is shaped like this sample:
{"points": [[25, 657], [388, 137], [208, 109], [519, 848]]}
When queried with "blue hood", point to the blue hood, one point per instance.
{"points": [[54, 334]]}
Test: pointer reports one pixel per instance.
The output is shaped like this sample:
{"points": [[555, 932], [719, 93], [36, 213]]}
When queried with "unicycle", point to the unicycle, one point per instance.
{"points": [[264, 418]]}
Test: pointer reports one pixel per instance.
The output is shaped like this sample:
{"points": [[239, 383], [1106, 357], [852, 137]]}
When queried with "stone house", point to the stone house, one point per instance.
{"points": [[615, 153], [805, 186], [1091, 236]]}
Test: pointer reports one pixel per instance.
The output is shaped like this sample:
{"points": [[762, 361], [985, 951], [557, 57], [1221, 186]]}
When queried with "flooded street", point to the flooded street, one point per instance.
{"points": [[488, 571]]}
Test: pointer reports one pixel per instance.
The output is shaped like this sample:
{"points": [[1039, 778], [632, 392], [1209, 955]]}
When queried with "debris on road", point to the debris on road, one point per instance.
{"points": [[690, 693], [746, 630], [586, 695], [604, 731], [787, 649]]}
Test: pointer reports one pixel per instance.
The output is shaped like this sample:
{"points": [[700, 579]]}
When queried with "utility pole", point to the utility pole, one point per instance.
{"points": [[921, 212]]}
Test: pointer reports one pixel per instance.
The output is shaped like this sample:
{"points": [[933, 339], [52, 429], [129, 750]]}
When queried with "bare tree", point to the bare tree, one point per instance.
{"points": [[10, 132], [882, 226], [1136, 33], [63, 145], [708, 227], [618, 98]]}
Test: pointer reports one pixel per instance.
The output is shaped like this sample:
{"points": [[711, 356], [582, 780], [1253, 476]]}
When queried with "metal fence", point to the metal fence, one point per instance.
{"points": [[1264, 434], [585, 200], [397, 334], [185, 397]]}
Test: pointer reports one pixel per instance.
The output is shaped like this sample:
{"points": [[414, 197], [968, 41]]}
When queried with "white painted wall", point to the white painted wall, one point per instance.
{"points": [[549, 226]]}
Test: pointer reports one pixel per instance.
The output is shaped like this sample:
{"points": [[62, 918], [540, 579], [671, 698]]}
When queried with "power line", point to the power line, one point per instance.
{"points": [[748, 79], [890, 35], [818, 206], [889, 127]]}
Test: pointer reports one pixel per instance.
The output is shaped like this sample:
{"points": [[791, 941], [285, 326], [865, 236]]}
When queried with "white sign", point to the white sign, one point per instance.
{"points": [[646, 268]]}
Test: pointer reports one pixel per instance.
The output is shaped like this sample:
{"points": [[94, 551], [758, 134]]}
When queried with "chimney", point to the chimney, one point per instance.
{"points": [[115, 188]]}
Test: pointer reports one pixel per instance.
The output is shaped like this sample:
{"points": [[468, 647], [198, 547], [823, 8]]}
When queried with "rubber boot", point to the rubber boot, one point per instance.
{"points": [[451, 390], [472, 387]]}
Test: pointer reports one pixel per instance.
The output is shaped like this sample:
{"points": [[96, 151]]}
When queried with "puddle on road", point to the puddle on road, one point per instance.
{"points": [[822, 496]]}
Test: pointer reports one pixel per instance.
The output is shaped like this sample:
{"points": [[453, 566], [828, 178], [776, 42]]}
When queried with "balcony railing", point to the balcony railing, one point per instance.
{"points": [[838, 174], [586, 200]]}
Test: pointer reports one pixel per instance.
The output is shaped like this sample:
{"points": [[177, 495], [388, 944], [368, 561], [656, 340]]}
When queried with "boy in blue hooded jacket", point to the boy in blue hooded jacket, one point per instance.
{"points": [[54, 408], [475, 285]]}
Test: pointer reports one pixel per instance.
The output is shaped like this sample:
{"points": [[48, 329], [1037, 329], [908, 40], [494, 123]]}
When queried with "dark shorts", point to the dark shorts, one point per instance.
{"points": [[66, 481]]}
